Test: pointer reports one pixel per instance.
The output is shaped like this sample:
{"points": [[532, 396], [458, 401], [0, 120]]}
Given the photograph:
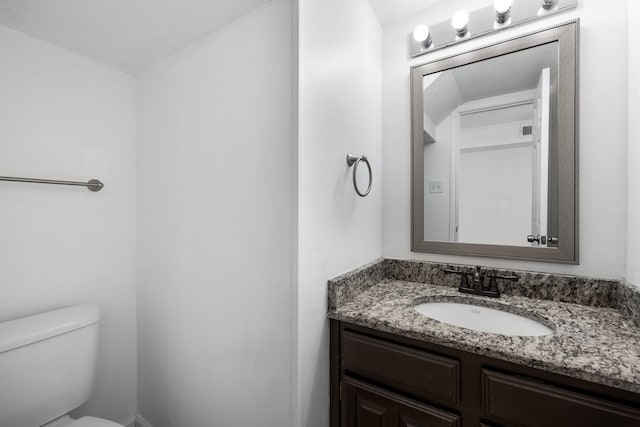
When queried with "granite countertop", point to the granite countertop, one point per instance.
{"points": [[597, 343]]}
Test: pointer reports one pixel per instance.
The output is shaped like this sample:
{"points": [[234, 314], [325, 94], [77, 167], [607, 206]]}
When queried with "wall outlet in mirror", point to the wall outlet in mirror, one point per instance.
{"points": [[435, 186]]}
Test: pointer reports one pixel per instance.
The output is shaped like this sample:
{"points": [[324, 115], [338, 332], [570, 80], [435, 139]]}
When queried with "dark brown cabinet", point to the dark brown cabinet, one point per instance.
{"points": [[369, 406], [384, 380], [423, 374], [518, 401]]}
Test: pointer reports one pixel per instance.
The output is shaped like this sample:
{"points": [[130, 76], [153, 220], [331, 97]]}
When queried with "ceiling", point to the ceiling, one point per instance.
{"points": [[505, 74], [510, 73], [392, 10], [130, 35], [133, 35]]}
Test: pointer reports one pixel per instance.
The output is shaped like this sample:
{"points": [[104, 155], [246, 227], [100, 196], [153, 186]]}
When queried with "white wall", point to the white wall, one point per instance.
{"points": [[603, 150], [339, 112], [63, 116], [633, 235], [215, 229]]}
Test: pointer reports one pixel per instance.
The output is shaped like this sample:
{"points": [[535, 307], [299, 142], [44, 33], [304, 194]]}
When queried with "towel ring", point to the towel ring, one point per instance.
{"points": [[355, 161]]}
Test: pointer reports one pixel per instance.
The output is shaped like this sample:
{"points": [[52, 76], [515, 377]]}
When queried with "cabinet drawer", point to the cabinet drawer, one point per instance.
{"points": [[369, 406], [516, 401], [419, 373]]}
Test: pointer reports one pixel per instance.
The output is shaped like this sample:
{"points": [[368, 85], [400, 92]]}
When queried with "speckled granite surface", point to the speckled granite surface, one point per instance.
{"points": [[553, 287], [629, 301], [347, 286], [592, 341]]}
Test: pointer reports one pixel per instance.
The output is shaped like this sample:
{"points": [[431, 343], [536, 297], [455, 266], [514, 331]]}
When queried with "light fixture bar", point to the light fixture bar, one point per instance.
{"points": [[484, 21]]}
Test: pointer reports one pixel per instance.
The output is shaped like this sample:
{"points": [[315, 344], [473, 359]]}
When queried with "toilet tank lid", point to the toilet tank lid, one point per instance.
{"points": [[27, 330]]}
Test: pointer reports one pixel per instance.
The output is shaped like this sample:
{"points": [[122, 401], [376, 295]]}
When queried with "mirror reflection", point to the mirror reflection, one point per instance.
{"points": [[490, 150]]}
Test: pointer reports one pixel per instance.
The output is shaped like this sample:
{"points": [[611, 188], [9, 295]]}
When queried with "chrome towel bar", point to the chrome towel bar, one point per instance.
{"points": [[355, 161], [93, 185]]}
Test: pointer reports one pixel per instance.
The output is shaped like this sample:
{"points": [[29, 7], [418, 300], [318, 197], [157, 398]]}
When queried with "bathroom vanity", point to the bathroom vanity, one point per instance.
{"points": [[495, 146], [392, 366]]}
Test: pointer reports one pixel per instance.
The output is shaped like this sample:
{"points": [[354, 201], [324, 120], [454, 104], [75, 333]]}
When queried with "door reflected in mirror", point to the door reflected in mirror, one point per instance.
{"points": [[490, 139]]}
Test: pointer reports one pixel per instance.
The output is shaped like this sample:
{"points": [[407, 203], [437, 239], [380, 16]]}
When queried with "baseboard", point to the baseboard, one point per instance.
{"points": [[129, 422], [141, 422]]}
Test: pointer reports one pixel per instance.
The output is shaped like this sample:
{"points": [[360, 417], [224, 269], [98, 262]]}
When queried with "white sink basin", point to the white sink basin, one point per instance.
{"points": [[483, 319]]}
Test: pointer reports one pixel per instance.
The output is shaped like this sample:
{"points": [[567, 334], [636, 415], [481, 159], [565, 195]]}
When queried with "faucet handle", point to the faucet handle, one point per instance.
{"points": [[464, 276], [464, 281], [493, 284]]}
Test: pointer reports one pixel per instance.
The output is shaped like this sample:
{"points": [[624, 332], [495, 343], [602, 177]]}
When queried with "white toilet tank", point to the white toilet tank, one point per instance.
{"points": [[47, 364]]}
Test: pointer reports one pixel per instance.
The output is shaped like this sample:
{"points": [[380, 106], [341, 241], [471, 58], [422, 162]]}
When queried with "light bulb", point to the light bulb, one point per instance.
{"points": [[502, 6], [421, 33], [503, 12], [459, 22]]}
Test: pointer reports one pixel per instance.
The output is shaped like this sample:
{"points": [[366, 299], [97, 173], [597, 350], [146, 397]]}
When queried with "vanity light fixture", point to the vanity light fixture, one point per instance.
{"points": [[423, 36], [460, 23], [503, 12], [470, 24]]}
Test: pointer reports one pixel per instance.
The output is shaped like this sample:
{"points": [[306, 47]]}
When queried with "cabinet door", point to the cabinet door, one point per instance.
{"points": [[422, 374], [516, 401], [364, 405]]}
